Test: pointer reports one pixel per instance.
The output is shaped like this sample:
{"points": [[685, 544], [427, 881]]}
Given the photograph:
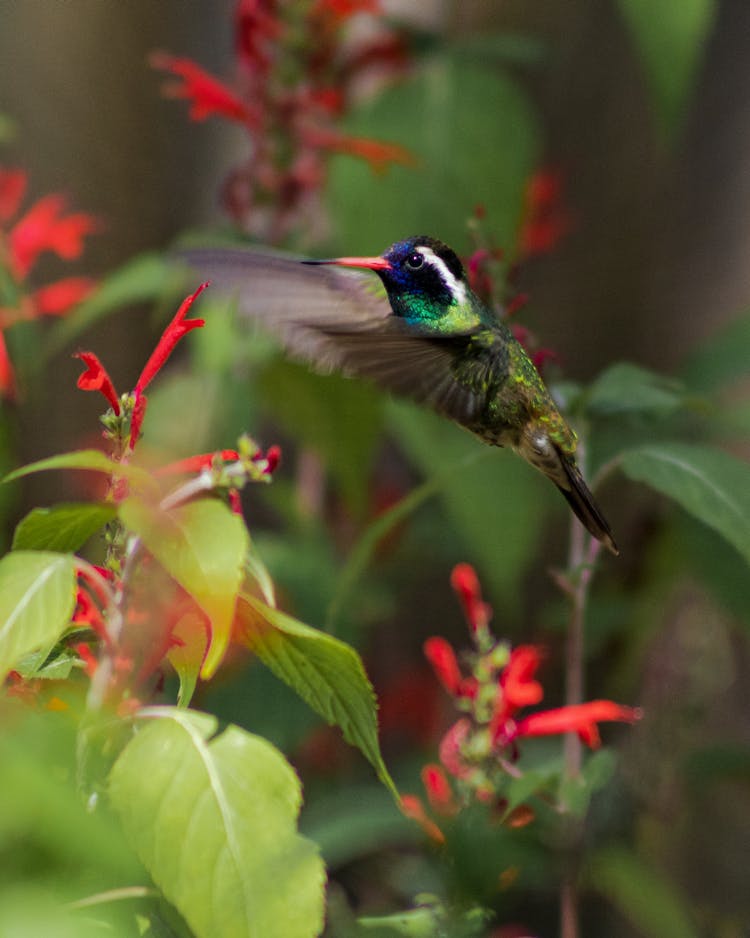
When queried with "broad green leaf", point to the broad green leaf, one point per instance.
{"points": [[256, 569], [202, 545], [89, 459], [37, 598], [213, 818], [710, 484], [720, 359], [62, 528], [629, 389], [669, 37], [642, 894], [326, 672], [475, 138], [58, 668], [416, 923], [142, 278]]}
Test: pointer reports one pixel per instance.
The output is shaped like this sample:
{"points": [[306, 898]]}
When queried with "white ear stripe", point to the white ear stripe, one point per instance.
{"points": [[457, 287]]}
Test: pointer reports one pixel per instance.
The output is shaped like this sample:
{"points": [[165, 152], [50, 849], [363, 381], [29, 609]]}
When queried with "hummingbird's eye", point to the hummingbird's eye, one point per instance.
{"points": [[414, 261]]}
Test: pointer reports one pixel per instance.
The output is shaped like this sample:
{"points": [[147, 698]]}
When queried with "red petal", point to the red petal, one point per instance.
{"points": [[136, 417], [7, 375], [439, 791], [441, 656], [95, 378], [451, 745], [58, 298], [379, 155], [208, 96], [170, 337], [466, 584], [45, 228], [12, 188], [196, 463], [413, 808], [580, 718]]}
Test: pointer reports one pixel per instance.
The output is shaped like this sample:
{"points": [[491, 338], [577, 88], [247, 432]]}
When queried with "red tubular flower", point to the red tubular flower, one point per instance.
{"points": [[45, 228], [466, 585], [12, 188], [256, 26], [579, 718], [177, 328], [87, 656], [207, 95], [516, 687], [7, 375], [441, 656], [95, 378], [412, 807], [273, 458], [439, 791], [58, 298], [546, 221], [136, 418], [196, 463]]}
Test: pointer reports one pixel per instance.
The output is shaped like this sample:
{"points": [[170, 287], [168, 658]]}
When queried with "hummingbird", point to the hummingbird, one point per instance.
{"points": [[421, 333]]}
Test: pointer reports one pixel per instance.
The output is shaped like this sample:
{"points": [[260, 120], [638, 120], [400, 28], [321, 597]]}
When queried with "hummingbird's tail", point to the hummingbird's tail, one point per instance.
{"points": [[582, 502]]}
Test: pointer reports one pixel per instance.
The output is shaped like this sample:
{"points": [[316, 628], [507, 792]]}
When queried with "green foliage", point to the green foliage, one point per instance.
{"points": [[203, 545], [669, 37], [721, 359], [642, 893], [712, 485], [64, 528], [475, 138], [37, 596], [495, 502], [230, 801], [325, 672], [625, 388], [92, 460]]}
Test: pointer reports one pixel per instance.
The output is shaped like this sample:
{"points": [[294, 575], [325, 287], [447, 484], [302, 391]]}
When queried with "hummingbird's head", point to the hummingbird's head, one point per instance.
{"points": [[425, 282]]}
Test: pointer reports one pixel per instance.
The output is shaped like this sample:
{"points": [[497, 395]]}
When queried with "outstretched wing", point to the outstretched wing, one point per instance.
{"points": [[340, 320]]}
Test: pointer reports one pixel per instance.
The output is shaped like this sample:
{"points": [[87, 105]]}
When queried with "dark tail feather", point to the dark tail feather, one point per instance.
{"points": [[587, 511]]}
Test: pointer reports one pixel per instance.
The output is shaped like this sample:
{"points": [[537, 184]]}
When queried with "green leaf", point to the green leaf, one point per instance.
{"points": [[710, 484], [326, 672], [496, 502], [475, 137], [92, 460], [721, 359], [202, 545], [57, 668], [213, 818], [141, 278], [339, 419], [629, 389], [187, 656], [642, 894], [669, 39], [37, 598], [63, 528]]}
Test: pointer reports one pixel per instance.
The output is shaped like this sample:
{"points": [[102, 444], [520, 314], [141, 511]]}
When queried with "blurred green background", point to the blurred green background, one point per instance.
{"points": [[642, 107]]}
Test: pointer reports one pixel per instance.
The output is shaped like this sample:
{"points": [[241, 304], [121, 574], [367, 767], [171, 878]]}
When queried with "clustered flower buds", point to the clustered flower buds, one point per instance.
{"points": [[497, 682]]}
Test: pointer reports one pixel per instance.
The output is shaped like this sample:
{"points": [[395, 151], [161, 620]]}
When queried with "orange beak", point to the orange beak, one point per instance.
{"points": [[369, 263]]}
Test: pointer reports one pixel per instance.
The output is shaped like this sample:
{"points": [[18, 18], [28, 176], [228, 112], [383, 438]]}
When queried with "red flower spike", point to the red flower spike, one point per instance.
{"points": [[412, 807], [439, 791], [12, 188], [450, 749], [546, 221], [196, 463], [579, 718], [45, 228], [208, 96], [256, 26], [466, 585], [58, 298], [7, 375], [170, 337], [517, 678], [441, 656], [95, 378]]}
